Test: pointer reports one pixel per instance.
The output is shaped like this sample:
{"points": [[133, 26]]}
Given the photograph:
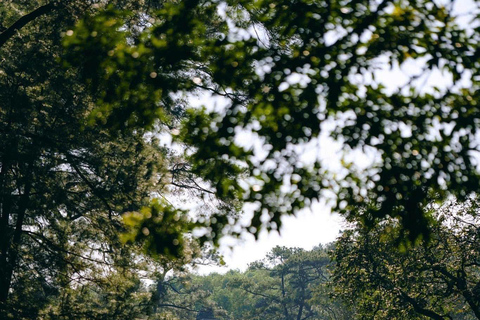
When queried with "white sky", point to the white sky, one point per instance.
{"points": [[307, 230]]}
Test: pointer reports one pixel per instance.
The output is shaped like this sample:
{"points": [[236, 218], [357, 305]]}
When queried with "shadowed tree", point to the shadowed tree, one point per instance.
{"points": [[64, 184]]}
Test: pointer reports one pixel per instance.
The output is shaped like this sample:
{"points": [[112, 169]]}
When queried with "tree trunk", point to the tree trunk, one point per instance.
{"points": [[10, 256], [5, 236]]}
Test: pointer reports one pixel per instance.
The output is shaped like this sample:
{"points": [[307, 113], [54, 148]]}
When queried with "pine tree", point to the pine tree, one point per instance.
{"points": [[65, 183]]}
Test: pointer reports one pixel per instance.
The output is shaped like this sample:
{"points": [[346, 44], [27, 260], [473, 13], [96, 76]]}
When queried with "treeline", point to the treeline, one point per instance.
{"points": [[366, 274], [289, 283]]}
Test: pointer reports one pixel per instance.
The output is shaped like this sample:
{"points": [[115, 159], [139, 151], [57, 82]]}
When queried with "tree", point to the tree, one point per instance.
{"points": [[287, 70], [436, 280], [65, 184], [226, 294], [119, 295], [281, 286], [175, 294]]}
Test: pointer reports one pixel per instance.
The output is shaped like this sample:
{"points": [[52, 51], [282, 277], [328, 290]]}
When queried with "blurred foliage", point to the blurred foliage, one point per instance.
{"points": [[288, 71], [159, 226]]}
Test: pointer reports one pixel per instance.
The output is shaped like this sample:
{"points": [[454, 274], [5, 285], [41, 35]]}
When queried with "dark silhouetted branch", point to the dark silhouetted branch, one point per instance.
{"points": [[20, 23]]}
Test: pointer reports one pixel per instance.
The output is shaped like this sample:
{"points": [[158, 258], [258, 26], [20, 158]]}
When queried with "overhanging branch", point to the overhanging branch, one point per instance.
{"points": [[20, 23]]}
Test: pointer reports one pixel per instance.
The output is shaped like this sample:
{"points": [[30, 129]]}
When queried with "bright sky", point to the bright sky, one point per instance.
{"points": [[307, 230]]}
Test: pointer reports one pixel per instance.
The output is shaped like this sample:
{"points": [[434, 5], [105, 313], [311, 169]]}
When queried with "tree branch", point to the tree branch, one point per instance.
{"points": [[420, 309], [90, 185], [163, 305], [20, 23]]}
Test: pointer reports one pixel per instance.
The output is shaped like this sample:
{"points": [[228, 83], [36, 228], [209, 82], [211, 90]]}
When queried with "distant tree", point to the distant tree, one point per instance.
{"points": [[225, 293], [175, 291], [281, 286], [289, 283], [439, 279]]}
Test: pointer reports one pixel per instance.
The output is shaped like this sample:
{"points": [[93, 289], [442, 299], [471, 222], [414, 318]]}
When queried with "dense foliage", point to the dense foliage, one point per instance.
{"points": [[436, 280], [65, 184]]}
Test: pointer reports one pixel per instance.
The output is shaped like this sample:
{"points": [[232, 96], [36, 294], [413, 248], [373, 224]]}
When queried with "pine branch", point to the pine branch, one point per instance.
{"points": [[20, 23]]}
